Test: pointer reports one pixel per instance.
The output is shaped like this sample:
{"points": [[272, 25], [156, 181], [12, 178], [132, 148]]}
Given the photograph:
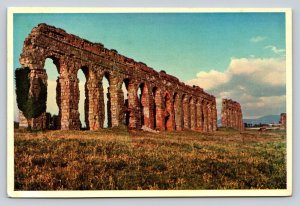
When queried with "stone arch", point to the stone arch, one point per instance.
{"points": [[232, 118], [35, 58], [133, 105], [154, 107], [204, 115], [91, 98], [93, 91], [125, 113], [215, 116], [186, 111], [209, 116], [236, 118], [62, 64], [177, 111], [157, 108], [193, 113], [65, 119], [106, 103], [55, 60], [144, 107], [198, 114], [169, 112]]}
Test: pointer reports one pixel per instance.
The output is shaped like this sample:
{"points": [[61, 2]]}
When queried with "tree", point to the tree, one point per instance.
{"points": [[34, 105]]}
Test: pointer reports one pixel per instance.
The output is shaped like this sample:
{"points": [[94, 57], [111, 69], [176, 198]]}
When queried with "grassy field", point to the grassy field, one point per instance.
{"points": [[114, 159]]}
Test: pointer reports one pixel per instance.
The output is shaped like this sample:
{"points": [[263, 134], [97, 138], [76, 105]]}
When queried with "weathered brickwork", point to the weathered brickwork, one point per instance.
{"points": [[231, 116], [164, 102], [282, 120]]}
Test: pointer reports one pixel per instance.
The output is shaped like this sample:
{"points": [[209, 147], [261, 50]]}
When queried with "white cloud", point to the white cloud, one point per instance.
{"points": [[270, 71], [258, 84], [210, 79], [274, 49], [259, 106], [257, 39], [225, 94], [275, 101]]}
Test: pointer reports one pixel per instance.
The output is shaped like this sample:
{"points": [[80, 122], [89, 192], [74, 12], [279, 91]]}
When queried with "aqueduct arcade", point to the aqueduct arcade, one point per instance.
{"points": [[163, 102], [232, 116]]}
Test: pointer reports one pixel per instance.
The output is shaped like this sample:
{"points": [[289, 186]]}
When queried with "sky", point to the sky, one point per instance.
{"points": [[231, 55]]}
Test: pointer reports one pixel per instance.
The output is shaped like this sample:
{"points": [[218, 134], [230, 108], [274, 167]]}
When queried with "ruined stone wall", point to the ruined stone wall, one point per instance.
{"points": [[165, 103], [282, 120], [231, 116]]}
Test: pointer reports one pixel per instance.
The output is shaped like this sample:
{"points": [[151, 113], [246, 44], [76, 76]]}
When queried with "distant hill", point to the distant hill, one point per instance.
{"points": [[261, 120], [269, 119]]}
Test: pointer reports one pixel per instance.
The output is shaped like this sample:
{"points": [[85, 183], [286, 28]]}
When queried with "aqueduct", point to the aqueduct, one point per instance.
{"points": [[164, 102], [232, 116]]}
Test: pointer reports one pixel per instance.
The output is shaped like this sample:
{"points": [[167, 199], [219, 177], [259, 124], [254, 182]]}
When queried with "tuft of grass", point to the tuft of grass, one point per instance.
{"points": [[115, 159]]}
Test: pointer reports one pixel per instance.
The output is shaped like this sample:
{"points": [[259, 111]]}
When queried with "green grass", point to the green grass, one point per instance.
{"points": [[114, 159]]}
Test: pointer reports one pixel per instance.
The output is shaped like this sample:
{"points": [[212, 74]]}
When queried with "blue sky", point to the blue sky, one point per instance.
{"points": [[190, 46], [181, 44]]}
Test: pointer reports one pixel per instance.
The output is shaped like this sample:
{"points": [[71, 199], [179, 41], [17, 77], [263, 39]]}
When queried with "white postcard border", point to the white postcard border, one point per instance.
{"points": [[142, 193]]}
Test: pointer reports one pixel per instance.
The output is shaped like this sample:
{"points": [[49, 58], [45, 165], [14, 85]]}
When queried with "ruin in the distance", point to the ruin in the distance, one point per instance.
{"points": [[231, 115], [282, 120], [165, 103]]}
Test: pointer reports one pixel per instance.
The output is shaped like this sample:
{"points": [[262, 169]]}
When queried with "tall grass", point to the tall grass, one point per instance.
{"points": [[118, 160]]}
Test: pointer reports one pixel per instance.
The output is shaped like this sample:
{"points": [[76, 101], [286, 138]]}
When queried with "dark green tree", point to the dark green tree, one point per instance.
{"points": [[31, 106], [22, 87]]}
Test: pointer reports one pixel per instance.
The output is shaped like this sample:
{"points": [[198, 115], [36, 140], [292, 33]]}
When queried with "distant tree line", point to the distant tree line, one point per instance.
{"points": [[249, 125]]}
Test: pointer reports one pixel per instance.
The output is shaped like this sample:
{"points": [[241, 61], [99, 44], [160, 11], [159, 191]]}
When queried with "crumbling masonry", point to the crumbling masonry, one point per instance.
{"points": [[165, 103], [282, 120], [232, 116]]}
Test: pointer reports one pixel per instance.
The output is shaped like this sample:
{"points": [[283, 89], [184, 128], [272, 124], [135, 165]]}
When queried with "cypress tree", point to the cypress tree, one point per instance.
{"points": [[31, 106], [22, 87]]}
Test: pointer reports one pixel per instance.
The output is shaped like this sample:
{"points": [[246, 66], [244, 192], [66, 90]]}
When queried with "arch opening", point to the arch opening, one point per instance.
{"points": [[143, 102], [140, 103], [83, 104], [107, 100], [53, 110], [126, 112], [168, 120], [155, 96]]}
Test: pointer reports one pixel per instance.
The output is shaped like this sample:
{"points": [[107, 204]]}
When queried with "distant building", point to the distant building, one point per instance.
{"points": [[282, 120]]}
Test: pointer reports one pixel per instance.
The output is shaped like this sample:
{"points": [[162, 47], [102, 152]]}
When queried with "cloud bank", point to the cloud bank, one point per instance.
{"points": [[257, 83]]}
